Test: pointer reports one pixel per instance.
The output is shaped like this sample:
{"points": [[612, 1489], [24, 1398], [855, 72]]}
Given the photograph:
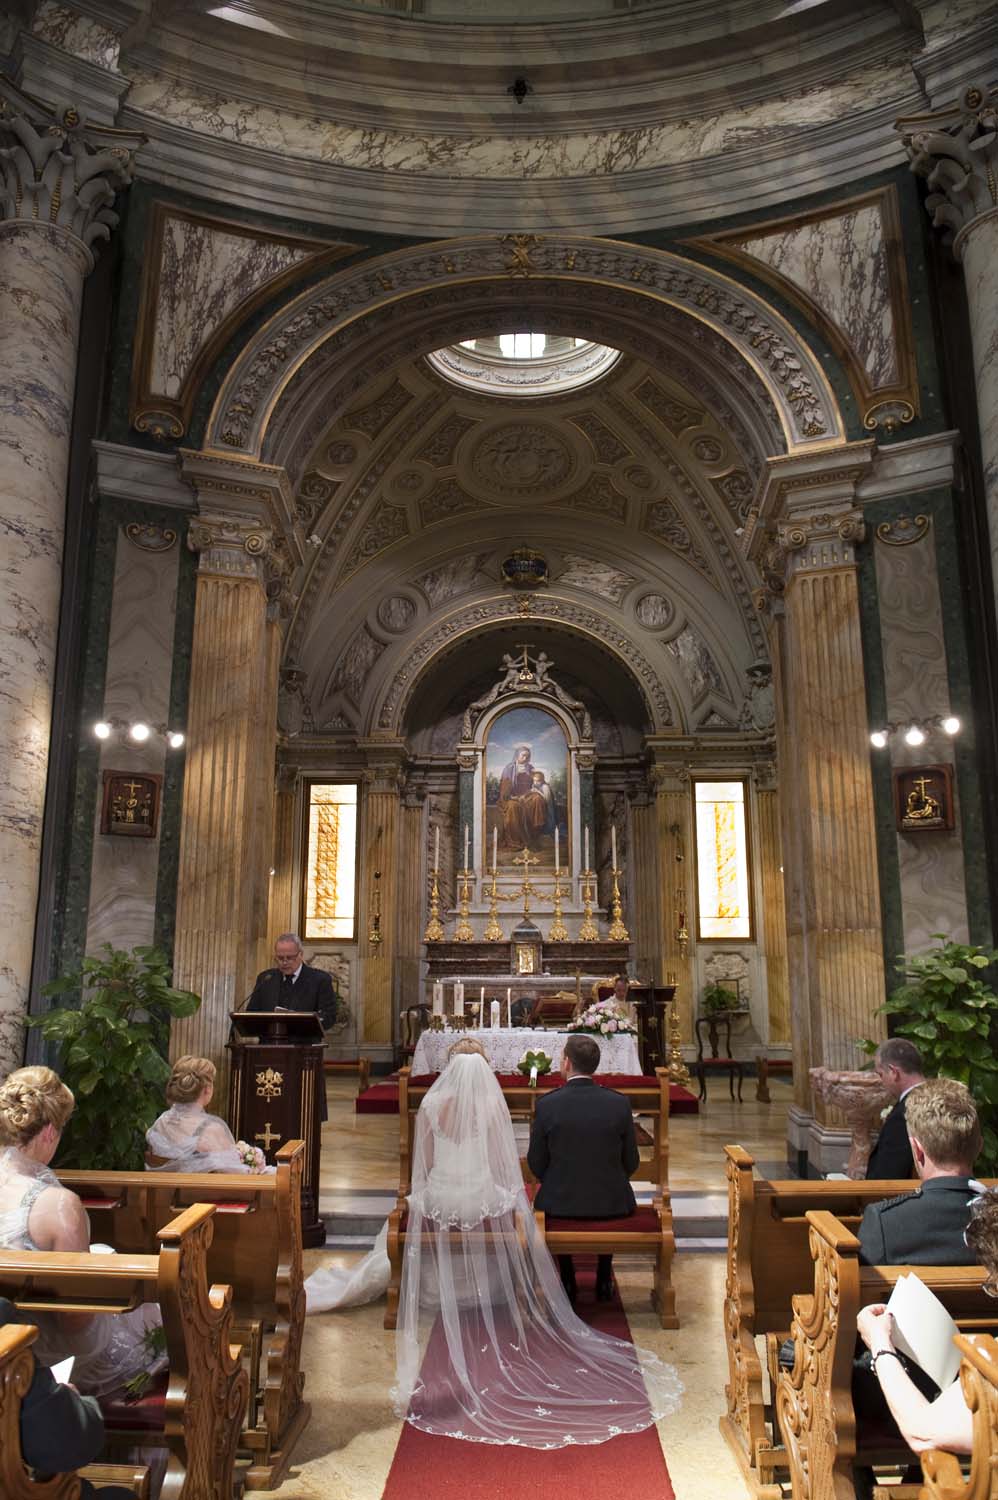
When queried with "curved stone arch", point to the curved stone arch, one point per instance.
{"points": [[390, 704], [758, 336]]}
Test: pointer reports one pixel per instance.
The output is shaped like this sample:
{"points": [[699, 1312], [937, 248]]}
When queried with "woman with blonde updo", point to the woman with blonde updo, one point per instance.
{"points": [[38, 1213], [186, 1138]]}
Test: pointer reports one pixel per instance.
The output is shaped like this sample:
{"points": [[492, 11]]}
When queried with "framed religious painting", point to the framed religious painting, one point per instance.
{"points": [[130, 804], [923, 798], [526, 790]]}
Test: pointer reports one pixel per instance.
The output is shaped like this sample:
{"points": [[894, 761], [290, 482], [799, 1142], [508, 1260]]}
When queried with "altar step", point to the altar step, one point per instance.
{"points": [[353, 1217]]}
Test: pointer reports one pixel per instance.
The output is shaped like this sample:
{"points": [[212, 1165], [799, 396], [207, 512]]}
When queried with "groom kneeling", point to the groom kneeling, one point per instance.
{"points": [[583, 1152]]}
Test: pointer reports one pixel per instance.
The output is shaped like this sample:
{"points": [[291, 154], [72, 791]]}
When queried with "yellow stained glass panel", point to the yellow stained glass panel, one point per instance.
{"points": [[722, 860], [331, 861]]}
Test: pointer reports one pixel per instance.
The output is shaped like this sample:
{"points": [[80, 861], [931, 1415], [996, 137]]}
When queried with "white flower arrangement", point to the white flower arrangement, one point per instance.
{"points": [[604, 1018]]}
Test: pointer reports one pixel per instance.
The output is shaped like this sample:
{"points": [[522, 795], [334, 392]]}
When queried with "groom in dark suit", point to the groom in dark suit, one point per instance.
{"points": [[898, 1064], [583, 1151], [292, 984]]}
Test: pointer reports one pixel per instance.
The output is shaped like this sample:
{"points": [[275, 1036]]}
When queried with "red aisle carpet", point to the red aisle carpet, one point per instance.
{"points": [[630, 1467]]}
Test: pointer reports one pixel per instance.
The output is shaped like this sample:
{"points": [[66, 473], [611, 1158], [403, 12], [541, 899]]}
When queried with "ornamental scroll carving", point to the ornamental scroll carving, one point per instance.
{"points": [[526, 674], [752, 330], [956, 151]]}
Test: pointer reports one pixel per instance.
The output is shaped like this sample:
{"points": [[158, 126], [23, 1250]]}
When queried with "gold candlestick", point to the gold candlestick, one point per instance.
{"points": [[493, 932], [588, 932], [463, 932], [677, 1069], [526, 859], [618, 932], [558, 932], [434, 928]]}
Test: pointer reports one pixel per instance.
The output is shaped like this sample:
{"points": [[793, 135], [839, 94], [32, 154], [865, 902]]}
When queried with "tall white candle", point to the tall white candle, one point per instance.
{"points": [[495, 1014], [557, 859], [509, 1008], [459, 998], [586, 860], [613, 845], [438, 998], [465, 865], [481, 998], [436, 850], [495, 848]]}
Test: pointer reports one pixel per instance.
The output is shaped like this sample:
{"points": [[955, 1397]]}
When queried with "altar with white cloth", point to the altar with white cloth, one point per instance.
{"points": [[506, 1045]]}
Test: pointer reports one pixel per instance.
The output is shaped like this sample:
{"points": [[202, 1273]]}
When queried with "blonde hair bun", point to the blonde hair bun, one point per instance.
{"points": [[189, 1078], [30, 1099]]}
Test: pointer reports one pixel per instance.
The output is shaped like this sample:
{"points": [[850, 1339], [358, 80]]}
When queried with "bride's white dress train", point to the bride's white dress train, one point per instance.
{"points": [[488, 1347]]}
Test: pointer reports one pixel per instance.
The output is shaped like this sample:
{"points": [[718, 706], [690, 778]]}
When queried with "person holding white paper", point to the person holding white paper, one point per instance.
{"points": [[946, 1421]]}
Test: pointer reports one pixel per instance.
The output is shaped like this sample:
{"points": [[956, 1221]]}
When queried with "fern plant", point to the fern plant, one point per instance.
{"points": [[112, 1042], [947, 1007]]}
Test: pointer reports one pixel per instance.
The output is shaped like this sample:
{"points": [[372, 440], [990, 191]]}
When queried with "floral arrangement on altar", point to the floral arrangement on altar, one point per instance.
{"points": [[604, 1018]]}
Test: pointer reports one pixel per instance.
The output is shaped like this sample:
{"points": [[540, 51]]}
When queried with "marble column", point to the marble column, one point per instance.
{"points": [[956, 150], [773, 922], [58, 178], [227, 817], [675, 887], [380, 858]]}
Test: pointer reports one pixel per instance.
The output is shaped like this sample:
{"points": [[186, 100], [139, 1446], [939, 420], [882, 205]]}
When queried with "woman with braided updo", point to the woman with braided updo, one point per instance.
{"points": [[38, 1213], [186, 1138]]}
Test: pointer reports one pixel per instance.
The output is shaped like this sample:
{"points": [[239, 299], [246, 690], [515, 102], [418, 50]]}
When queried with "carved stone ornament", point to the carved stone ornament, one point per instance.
{"points": [[903, 531], [56, 169], [526, 674], [150, 538], [235, 548], [759, 708], [820, 541], [956, 151]]}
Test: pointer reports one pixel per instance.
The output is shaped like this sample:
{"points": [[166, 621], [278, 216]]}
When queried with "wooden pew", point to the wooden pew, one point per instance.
{"points": [[257, 1251], [769, 1258], [17, 1368], [814, 1400], [942, 1471], [649, 1231], [200, 1413]]}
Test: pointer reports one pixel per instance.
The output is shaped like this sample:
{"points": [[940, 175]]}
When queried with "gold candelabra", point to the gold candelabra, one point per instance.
{"points": [[374, 931], [618, 932], [493, 932], [678, 1072], [434, 928], [463, 932], [558, 932], [588, 932]]}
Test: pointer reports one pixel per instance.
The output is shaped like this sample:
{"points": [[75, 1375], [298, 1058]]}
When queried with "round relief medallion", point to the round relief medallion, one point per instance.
{"points": [[654, 611], [638, 477], [707, 450], [409, 481], [521, 459], [396, 613], [340, 453]]}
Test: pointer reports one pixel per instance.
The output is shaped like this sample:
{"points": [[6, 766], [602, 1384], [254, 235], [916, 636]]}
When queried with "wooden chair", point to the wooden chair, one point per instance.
{"points": [[17, 1369], [942, 1472], [717, 1062], [257, 1251], [197, 1413], [767, 1067], [814, 1404]]}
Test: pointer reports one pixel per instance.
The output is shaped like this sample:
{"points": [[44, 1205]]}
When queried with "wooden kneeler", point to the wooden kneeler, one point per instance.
{"points": [[647, 1231]]}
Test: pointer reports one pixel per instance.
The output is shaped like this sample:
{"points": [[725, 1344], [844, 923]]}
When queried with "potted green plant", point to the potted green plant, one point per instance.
{"points": [[947, 1007], [112, 1044], [716, 999]]}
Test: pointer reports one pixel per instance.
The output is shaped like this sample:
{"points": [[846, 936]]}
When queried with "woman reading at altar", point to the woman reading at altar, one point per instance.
{"points": [[525, 804]]}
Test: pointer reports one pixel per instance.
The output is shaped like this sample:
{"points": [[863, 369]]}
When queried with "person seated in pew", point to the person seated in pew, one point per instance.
{"points": [[186, 1138], [111, 1350], [61, 1430], [898, 1064], [946, 1421]]}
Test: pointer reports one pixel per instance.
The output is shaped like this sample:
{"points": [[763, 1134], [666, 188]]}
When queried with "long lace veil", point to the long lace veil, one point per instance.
{"points": [[488, 1346]]}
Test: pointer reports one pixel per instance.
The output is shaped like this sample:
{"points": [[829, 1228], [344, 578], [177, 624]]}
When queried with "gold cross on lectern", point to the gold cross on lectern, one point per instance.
{"points": [[267, 1136]]}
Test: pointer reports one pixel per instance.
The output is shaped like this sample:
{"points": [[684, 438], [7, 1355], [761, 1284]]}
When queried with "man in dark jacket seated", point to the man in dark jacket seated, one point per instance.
{"points": [[898, 1065], [60, 1429], [583, 1151]]}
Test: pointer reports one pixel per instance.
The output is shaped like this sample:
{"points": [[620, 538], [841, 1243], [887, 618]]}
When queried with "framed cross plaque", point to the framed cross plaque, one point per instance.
{"points": [[130, 805]]}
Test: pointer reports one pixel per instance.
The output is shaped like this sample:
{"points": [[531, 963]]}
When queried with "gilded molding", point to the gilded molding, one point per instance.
{"points": [[903, 531], [150, 538]]}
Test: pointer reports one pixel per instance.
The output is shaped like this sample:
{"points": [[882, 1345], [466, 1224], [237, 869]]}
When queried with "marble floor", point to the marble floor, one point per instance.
{"points": [[347, 1450]]}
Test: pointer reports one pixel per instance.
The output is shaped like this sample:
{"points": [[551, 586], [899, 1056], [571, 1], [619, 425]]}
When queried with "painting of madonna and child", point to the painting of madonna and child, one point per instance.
{"points": [[526, 787]]}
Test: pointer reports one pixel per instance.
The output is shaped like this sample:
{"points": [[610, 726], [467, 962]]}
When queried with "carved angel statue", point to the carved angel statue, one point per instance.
{"points": [[548, 684], [510, 679]]}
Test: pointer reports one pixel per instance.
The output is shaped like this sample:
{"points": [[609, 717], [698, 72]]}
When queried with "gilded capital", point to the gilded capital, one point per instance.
{"points": [[244, 526], [233, 546], [956, 151], [60, 170], [820, 540]]}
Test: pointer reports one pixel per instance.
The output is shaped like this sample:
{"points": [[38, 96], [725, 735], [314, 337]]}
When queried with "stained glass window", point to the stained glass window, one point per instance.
{"points": [[722, 862], [331, 862]]}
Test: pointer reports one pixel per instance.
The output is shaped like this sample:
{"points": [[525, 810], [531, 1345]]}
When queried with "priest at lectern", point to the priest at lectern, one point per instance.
{"points": [[293, 984]]}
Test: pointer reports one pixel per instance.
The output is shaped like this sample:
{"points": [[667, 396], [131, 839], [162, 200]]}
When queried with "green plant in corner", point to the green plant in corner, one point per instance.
{"points": [[717, 998], [949, 1010], [112, 1046]]}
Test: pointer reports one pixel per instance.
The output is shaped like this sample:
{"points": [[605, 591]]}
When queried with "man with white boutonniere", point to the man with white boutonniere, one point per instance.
{"points": [[898, 1065]]}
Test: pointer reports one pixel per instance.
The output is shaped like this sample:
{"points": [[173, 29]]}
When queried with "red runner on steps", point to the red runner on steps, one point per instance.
{"points": [[630, 1467]]}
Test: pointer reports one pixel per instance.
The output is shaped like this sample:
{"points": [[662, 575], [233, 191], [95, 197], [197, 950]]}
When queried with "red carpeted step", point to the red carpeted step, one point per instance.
{"points": [[629, 1467]]}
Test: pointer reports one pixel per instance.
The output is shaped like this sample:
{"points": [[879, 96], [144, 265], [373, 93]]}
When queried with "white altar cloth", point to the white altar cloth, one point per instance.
{"points": [[505, 1046]]}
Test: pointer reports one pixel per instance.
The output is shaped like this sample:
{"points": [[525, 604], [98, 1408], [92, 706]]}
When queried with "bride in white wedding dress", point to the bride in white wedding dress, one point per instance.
{"points": [[488, 1347]]}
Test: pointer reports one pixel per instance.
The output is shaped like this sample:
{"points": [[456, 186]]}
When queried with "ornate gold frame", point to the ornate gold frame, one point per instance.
{"points": [[306, 795], [749, 857]]}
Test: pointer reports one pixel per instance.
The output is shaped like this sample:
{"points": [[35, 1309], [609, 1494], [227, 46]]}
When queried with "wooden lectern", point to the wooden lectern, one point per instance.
{"points": [[275, 1086], [652, 1005]]}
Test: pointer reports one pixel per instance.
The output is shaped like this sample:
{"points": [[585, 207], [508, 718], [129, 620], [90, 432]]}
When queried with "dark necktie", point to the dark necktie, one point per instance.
{"points": [[287, 984]]}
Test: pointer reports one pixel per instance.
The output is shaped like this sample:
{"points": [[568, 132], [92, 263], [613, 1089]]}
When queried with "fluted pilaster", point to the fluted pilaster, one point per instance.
{"points": [[58, 179], [675, 892], [646, 906], [280, 917], [380, 868], [773, 924]]}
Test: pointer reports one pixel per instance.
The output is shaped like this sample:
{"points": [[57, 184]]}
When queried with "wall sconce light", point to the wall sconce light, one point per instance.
{"points": [[138, 731], [915, 731]]}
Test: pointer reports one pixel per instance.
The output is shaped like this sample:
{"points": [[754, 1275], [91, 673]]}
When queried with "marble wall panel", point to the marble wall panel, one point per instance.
{"points": [[76, 34], [204, 274], [124, 871], [841, 264], [595, 577], [933, 892]]}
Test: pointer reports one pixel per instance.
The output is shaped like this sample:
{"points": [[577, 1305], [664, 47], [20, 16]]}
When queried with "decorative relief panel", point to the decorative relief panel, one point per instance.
{"points": [[607, 446], [387, 525], [340, 453], [598, 497], [594, 577], [445, 502], [373, 418], [396, 613], [355, 664], [451, 579], [737, 491], [655, 611], [522, 459], [662, 521], [690, 651], [673, 413], [441, 445]]}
